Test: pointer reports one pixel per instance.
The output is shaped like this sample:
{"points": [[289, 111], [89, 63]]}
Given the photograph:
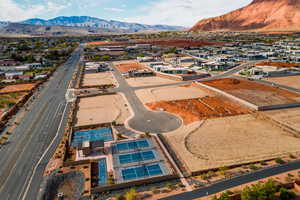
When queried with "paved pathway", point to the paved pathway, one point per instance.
{"points": [[145, 120], [233, 182]]}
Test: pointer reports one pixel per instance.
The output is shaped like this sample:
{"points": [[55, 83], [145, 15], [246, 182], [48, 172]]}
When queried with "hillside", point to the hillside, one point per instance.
{"points": [[259, 15]]}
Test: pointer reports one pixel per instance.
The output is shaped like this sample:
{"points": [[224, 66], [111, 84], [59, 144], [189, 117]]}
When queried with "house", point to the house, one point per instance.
{"points": [[34, 65], [270, 71], [13, 75], [9, 63]]}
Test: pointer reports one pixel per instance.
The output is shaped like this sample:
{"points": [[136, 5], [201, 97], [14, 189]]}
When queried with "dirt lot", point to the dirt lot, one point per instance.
{"points": [[171, 93], [125, 67], [147, 81], [289, 117], [17, 88], [253, 92], [192, 110], [97, 79], [290, 81], [102, 109], [278, 64], [9, 100], [229, 141]]}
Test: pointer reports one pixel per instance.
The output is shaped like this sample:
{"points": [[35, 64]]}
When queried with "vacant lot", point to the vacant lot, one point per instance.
{"points": [[191, 110], [148, 81], [9, 100], [171, 93], [17, 88], [230, 141], [278, 64], [98, 79], [290, 81], [253, 92], [102, 109], [128, 66], [289, 117]]}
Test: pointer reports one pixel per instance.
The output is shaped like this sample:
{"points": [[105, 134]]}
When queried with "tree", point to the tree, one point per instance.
{"points": [[106, 58], [131, 194], [285, 194], [260, 191]]}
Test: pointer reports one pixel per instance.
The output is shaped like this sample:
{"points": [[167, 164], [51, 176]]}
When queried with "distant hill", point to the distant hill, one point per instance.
{"points": [[77, 25], [85, 21], [259, 15]]}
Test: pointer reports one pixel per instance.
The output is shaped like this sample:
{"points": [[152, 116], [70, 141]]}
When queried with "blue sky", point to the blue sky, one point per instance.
{"points": [[172, 12]]}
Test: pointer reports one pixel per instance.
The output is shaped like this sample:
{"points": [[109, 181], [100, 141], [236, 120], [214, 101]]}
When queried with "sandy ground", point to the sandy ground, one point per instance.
{"points": [[128, 66], [253, 92], [96, 79], [17, 88], [229, 141], [291, 81], [148, 81], [289, 117], [102, 109], [171, 93]]}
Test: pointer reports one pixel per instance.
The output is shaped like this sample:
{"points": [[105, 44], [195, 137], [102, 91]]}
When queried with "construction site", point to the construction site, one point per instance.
{"points": [[230, 141], [260, 95]]}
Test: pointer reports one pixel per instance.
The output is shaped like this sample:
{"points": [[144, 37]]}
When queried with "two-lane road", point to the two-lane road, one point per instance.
{"points": [[20, 166]]}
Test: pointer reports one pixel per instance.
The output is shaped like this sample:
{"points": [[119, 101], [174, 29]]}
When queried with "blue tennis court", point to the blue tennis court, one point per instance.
{"points": [[136, 157], [141, 172], [132, 145], [104, 134], [102, 172]]}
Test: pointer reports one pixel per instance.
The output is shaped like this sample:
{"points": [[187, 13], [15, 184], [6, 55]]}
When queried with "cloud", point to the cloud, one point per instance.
{"points": [[12, 11], [114, 9], [184, 12]]}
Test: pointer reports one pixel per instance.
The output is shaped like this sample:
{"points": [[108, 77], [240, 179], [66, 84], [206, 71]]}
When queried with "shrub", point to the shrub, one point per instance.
{"points": [[131, 194], [252, 167], [286, 195], [292, 156], [279, 161]]}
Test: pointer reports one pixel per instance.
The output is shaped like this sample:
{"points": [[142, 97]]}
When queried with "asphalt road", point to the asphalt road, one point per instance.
{"points": [[230, 183], [33, 135], [145, 120]]}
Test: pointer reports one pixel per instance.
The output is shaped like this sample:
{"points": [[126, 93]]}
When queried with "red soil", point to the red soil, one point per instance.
{"points": [[228, 84], [192, 110], [278, 64], [129, 66], [254, 92], [17, 88]]}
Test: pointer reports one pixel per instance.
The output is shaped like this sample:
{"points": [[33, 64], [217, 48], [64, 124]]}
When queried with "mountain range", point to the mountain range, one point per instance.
{"points": [[259, 15], [78, 25]]}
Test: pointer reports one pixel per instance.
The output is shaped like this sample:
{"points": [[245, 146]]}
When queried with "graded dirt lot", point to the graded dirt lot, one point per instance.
{"points": [[253, 92], [102, 109], [278, 64], [192, 110], [98, 79], [290, 81], [289, 117], [128, 66], [229, 141], [17, 88], [179, 92], [148, 81]]}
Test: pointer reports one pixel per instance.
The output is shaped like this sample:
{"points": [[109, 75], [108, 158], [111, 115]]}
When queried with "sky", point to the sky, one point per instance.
{"points": [[170, 12]]}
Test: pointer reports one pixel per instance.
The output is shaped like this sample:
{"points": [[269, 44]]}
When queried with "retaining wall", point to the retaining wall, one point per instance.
{"points": [[241, 101], [134, 183]]}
